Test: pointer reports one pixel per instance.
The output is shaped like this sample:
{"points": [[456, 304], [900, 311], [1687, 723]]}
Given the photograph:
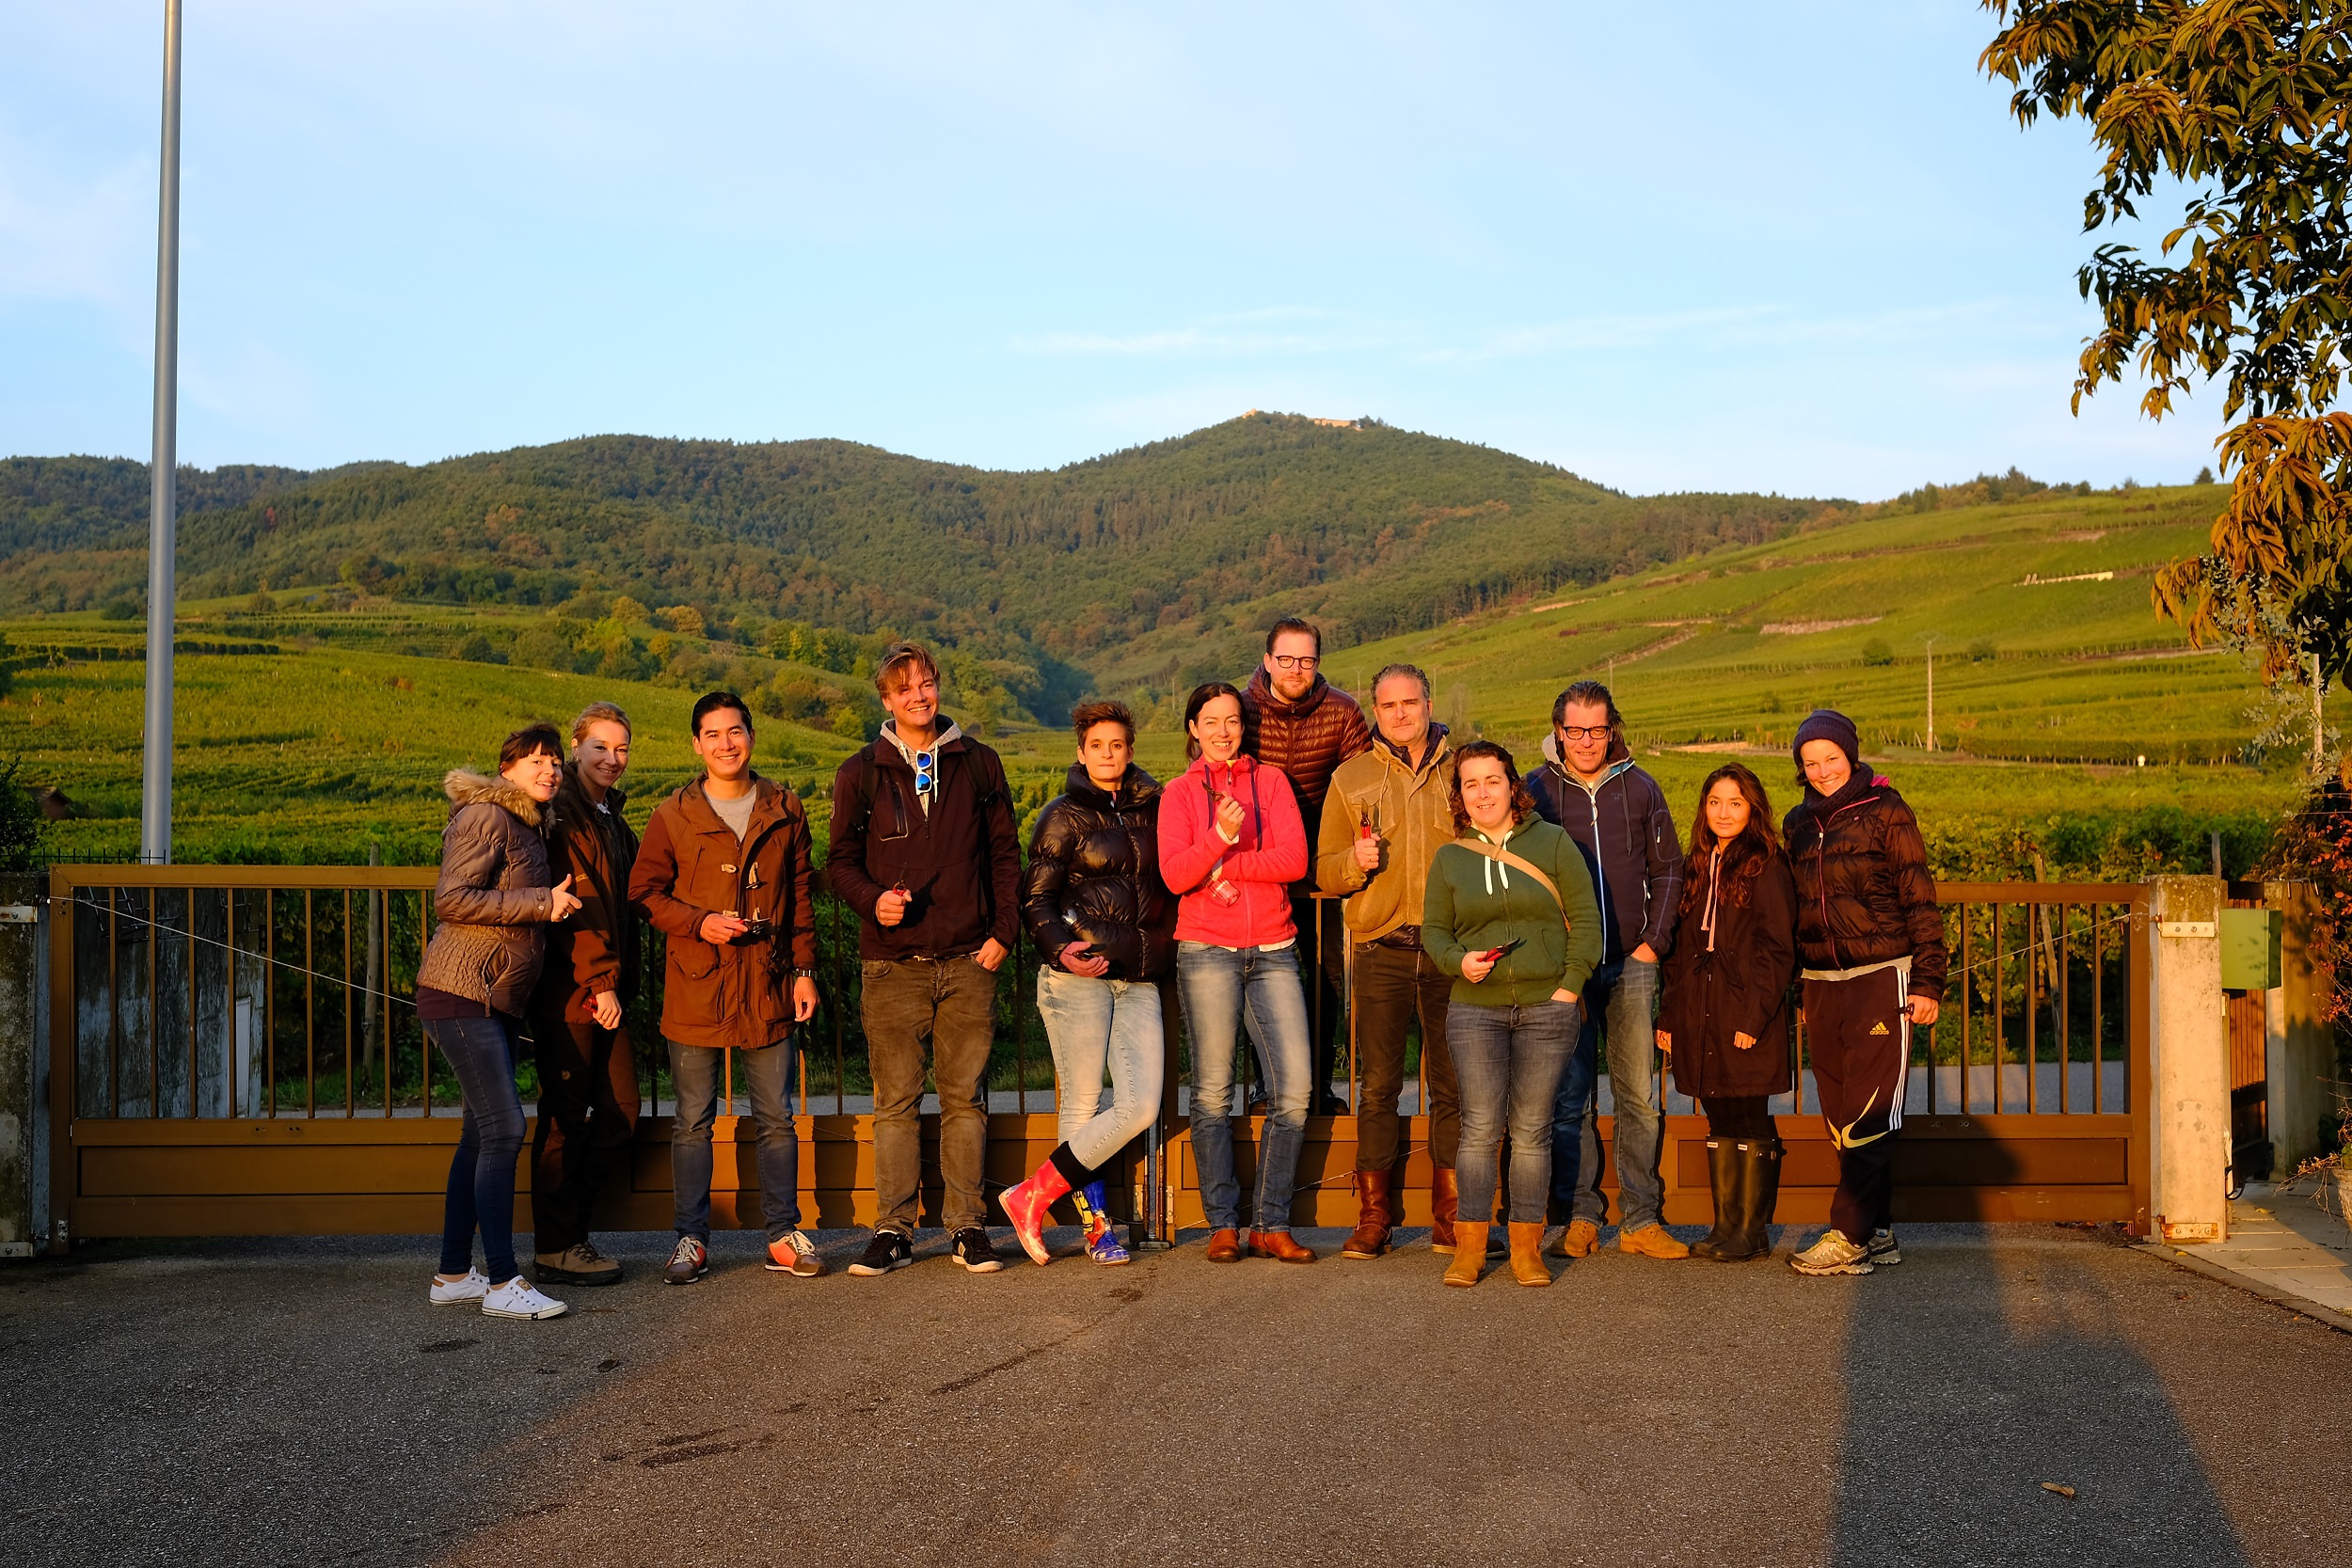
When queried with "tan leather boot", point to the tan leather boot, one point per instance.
{"points": [[1469, 1252], [1527, 1254]]}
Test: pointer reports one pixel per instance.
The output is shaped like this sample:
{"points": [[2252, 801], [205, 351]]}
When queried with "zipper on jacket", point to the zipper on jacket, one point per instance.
{"points": [[1821, 873]]}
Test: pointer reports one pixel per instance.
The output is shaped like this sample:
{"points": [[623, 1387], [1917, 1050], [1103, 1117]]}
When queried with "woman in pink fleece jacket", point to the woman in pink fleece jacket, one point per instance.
{"points": [[1231, 844]]}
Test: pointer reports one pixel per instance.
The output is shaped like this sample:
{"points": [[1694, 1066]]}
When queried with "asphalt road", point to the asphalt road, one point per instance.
{"points": [[298, 1403]]}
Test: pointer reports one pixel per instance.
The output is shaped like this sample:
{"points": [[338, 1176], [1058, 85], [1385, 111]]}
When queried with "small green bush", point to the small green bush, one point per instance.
{"points": [[1877, 652]]}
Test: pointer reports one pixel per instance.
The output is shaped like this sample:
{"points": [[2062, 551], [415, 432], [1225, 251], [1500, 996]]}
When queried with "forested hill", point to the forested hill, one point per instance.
{"points": [[1138, 570]]}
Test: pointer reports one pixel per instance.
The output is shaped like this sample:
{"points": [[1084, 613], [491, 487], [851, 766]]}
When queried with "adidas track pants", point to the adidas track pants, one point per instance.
{"points": [[1858, 1043]]}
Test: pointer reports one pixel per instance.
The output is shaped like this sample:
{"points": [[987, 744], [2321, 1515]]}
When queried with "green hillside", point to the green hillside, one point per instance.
{"points": [[1153, 565]]}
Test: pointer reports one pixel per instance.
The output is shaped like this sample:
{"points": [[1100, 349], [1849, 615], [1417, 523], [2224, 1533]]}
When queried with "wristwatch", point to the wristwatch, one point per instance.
{"points": [[805, 974]]}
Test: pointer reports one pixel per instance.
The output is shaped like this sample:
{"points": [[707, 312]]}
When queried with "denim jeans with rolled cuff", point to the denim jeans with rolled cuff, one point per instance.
{"points": [[1508, 1061], [767, 1074], [481, 1195], [1258, 988], [1621, 1002], [1093, 1025]]}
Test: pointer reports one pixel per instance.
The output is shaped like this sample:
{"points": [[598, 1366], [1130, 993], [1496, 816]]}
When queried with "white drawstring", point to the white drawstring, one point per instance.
{"points": [[1714, 881]]}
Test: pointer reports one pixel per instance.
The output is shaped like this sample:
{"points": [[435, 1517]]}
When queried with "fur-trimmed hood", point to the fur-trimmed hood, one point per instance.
{"points": [[465, 788]]}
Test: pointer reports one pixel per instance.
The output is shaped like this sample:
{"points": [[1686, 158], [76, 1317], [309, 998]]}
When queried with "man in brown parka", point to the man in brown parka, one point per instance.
{"points": [[725, 873]]}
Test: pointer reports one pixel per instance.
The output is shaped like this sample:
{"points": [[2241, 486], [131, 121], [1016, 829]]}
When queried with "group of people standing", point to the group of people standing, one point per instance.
{"points": [[1524, 921]]}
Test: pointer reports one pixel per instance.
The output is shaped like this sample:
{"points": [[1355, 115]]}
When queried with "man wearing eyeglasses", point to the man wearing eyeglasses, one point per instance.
{"points": [[925, 848], [1297, 722], [1589, 787]]}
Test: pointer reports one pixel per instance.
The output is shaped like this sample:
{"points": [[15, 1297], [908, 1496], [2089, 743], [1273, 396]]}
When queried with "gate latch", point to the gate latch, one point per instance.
{"points": [[19, 915]]}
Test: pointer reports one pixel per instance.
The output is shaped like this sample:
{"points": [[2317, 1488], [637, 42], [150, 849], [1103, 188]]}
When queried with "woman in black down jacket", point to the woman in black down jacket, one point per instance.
{"points": [[1103, 925], [1871, 940], [1725, 1020]]}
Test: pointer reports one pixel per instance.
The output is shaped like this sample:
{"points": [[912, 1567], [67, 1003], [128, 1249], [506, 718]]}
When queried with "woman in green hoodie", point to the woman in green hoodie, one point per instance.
{"points": [[1510, 908]]}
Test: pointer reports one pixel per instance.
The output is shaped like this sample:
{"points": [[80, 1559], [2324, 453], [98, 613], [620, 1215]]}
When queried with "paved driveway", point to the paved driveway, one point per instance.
{"points": [[296, 1403]]}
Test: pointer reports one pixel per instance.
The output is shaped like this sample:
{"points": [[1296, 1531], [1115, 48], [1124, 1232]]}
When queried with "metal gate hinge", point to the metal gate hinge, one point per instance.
{"points": [[19, 915]]}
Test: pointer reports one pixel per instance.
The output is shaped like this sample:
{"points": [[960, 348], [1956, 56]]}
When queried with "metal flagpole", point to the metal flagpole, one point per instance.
{"points": [[155, 774]]}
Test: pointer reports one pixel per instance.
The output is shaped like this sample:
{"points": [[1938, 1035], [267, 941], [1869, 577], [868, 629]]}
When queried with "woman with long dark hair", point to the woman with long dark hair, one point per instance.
{"points": [[1231, 843], [1725, 1025], [1871, 940], [1510, 908], [495, 901], [1104, 929]]}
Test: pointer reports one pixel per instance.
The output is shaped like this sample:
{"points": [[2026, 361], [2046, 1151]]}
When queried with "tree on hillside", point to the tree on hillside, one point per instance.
{"points": [[2247, 103]]}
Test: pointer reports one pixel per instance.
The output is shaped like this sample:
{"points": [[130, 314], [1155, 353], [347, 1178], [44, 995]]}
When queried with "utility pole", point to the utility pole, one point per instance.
{"points": [[1930, 642], [162, 518]]}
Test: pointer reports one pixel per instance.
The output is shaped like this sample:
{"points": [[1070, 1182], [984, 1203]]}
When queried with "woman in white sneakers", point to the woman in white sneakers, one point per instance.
{"points": [[495, 902]]}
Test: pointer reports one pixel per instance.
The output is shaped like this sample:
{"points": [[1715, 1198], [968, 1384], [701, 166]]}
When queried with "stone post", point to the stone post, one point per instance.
{"points": [[2188, 1061], [2300, 1066]]}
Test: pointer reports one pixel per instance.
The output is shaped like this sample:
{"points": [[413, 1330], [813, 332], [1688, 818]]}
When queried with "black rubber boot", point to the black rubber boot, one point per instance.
{"points": [[1759, 1189], [1723, 1180]]}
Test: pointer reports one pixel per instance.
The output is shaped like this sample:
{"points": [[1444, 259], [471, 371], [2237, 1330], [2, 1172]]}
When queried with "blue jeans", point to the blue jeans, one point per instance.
{"points": [[1094, 1024], [1219, 985], [1623, 997], [481, 1192], [768, 1073], [1508, 1061]]}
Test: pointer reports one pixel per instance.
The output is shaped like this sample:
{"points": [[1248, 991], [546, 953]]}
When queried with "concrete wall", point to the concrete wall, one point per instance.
{"points": [[23, 1115]]}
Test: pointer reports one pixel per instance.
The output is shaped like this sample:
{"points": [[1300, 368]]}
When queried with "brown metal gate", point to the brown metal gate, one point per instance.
{"points": [[232, 1052]]}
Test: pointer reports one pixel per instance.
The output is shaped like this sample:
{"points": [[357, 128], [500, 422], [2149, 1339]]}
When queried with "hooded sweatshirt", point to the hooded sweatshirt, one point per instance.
{"points": [[1627, 835], [955, 848], [1473, 902]]}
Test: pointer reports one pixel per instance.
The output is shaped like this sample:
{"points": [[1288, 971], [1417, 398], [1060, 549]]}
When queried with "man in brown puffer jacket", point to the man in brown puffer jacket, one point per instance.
{"points": [[1301, 725]]}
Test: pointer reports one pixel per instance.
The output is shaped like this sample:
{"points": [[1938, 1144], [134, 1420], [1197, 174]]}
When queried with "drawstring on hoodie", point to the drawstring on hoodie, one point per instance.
{"points": [[1714, 881], [1494, 866]]}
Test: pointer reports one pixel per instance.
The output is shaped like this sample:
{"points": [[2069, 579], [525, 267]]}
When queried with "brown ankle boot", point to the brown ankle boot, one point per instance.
{"points": [[1375, 1219], [1527, 1254], [1445, 1204], [1225, 1247], [1279, 1245], [1469, 1253]]}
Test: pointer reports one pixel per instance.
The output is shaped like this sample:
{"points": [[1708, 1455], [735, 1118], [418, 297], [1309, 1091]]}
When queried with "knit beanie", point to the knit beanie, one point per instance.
{"points": [[1827, 724]]}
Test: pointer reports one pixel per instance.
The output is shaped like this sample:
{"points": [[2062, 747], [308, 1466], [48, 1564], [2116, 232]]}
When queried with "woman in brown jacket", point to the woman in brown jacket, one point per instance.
{"points": [[1725, 1024], [495, 900]]}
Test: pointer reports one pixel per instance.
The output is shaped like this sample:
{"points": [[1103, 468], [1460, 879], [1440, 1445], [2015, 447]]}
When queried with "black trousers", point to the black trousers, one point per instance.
{"points": [[587, 1116], [1396, 986], [1858, 1041]]}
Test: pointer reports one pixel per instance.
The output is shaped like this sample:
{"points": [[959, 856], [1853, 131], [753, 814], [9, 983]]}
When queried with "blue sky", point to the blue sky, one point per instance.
{"points": [[1798, 247]]}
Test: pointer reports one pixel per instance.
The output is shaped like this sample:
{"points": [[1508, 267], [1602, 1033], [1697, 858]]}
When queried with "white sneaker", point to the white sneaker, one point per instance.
{"points": [[1832, 1254], [519, 1298], [472, 1287]]}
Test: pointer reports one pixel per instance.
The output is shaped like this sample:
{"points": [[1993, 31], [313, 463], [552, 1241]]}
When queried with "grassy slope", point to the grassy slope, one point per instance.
{"points": [[310, 754]]}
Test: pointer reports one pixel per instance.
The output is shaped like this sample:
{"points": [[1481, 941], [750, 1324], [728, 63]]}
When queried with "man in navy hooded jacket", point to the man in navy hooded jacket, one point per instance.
{"points": [[1589, 787]]}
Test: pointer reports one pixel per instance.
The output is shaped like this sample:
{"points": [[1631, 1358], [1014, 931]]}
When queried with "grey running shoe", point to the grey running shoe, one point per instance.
{"points": [[1883, 1247], [1832, 1254], [689, 1261]]}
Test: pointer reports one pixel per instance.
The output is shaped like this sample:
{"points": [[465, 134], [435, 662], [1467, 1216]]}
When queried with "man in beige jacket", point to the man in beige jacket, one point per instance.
{"points": [[1386, 816]]}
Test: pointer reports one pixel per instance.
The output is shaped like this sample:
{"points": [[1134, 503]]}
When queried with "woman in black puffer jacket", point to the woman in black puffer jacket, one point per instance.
{"points": [[1725, 1022], [1104, 926], [1872, 940]]}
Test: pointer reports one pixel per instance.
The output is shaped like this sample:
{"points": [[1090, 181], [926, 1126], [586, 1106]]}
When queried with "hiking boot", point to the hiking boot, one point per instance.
{"points": [[1883, 1248], [518, 1298], [1832, 1254], [577, 1264], [888, 1250], [796, 1255], [689, 1261], [1651, 1240], [459, 1293], [972, 1249], [1580, 1238]]}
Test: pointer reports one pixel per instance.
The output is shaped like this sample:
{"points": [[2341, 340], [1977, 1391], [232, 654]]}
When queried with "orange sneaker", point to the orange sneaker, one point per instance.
{"points": [[1652, 1241]]}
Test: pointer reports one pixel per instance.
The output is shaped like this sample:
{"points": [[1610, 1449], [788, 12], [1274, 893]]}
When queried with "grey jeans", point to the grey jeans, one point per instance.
{"points": [[950, 1005], [1620, 1001]]}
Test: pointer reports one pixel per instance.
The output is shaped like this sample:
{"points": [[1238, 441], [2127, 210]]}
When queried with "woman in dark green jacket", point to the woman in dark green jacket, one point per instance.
{"points": [[1509, 908]]}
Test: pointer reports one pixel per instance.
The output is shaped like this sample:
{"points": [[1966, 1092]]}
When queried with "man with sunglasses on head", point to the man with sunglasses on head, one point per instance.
{"points": [[1588, 786], [1301, 725], [926, 849]]}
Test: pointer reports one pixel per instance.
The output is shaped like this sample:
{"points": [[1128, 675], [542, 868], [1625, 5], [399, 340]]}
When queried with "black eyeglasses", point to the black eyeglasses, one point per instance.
{"points": [[1583, 732], [1295, 661]]}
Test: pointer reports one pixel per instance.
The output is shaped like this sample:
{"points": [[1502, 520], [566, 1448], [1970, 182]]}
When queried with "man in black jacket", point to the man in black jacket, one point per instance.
{"points": [[926, 849], [1615, 811]]}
